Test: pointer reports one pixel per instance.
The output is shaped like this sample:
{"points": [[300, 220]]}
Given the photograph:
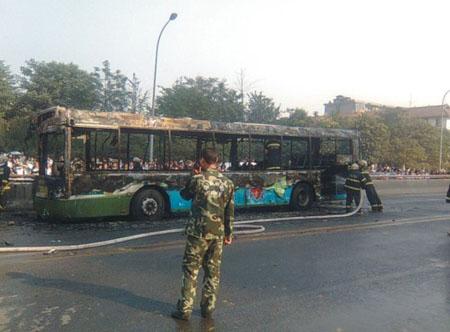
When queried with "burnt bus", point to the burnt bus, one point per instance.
{"points": [[96, 164]]}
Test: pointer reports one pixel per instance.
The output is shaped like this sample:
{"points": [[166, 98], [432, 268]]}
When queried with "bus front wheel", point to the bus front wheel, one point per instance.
{"points": [[148, 204], [302, 197]]}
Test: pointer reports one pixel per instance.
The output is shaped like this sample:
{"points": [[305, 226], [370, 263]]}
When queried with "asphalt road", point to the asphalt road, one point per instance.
{"points": [[375, 272]]}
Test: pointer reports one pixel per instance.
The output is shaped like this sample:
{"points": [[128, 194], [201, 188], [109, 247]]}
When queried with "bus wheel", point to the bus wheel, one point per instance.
{"points": [[302, 197], [148, 204]]}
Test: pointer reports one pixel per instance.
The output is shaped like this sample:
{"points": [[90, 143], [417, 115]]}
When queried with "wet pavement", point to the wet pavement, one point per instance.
{"points": [[375, 272]]}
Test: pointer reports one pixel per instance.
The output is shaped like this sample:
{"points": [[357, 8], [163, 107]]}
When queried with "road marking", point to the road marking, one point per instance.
{"points": [[178, 244], [343, 228]]}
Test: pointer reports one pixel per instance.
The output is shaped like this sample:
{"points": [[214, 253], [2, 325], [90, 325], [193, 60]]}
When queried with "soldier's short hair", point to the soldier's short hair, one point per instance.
{"points": [[210, 155]]}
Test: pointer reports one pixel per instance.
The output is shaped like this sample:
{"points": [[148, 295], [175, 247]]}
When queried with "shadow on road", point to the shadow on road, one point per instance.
{"points": [[117, 295]]}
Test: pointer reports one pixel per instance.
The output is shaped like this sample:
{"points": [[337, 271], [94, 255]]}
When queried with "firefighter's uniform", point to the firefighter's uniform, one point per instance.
{"points": [[371, 192], [353, 184]]}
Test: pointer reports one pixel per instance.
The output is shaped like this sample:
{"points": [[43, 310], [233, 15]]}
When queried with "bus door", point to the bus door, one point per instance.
{"points": [[51, 180], [333, 158]]}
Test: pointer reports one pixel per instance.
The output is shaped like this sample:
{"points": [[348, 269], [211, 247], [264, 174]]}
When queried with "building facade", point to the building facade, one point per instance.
{"points": [[342, 105], [346, 106]]}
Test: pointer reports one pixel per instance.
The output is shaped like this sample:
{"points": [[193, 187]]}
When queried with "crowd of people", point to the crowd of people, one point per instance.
{"points": [[21, 165], [392, 170]]}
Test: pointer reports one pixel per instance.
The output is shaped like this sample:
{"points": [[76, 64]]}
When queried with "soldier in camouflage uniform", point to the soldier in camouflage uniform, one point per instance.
{"points": [[208, 229]]}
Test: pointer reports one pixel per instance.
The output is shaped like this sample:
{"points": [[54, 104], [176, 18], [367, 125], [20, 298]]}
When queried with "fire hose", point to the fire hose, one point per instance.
{"points": [[246, 225]]}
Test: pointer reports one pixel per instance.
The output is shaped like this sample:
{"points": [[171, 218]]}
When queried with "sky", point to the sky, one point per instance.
{"points": [[300, 53]]}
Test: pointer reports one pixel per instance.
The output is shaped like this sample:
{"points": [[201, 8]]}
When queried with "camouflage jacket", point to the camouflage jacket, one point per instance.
{"points": [[212, 212]]}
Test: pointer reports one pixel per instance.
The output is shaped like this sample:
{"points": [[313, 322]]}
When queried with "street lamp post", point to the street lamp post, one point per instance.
{"points": [[442, 129], [172, 17]]}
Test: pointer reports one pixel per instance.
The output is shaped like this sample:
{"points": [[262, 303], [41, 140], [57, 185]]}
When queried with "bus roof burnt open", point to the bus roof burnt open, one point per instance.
{"points": [[56, 118]]}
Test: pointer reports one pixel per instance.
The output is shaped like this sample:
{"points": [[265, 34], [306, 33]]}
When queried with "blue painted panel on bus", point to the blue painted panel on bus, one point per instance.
{"points": [[239, 197], [177, 203], [242, 197], [340, 196]]}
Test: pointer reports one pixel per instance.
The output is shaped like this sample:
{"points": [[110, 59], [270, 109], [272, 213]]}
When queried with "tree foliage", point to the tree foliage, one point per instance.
{"points": [[201, 98], [414, 143], [373, 133], [48, 84], [45, 84], [8, 91], [138, 97], [261, 109], [112, 93]]}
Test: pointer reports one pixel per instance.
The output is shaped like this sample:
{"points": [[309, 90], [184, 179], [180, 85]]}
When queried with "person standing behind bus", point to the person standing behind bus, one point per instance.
{"points": [[137, 166], [208, 229], [353, 184], [371, 192], [4, 178]]}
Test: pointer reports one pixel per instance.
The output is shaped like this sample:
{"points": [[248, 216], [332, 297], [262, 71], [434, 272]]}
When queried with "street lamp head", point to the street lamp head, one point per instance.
{"points": [[173, 16]]}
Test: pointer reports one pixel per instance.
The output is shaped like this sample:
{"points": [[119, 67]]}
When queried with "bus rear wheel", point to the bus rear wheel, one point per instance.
{"points": [[302, 197], [148, 204]]}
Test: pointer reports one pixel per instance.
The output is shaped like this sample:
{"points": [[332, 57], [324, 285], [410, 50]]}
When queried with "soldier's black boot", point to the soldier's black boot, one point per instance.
{"points": [[177, 314]]}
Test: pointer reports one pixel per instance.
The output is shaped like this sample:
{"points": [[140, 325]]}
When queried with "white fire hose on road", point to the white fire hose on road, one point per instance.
{"points": [[245, 224]]}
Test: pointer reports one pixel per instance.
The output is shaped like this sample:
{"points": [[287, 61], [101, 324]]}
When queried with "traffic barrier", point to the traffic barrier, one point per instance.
{"points": [[20, 196], [409, 177]]}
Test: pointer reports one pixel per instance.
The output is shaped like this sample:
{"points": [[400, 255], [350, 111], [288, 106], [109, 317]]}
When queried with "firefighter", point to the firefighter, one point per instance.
{"points": [[353, 184], [272, 152], [4, 177], [371, 192]]}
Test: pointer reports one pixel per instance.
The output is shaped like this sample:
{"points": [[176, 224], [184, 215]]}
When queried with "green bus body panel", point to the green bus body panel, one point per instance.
{"points": [[88, 206]]}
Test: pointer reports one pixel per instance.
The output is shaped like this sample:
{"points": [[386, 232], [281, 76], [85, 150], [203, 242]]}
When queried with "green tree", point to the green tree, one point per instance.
{"points": [[298, 117], [261, 109], [8, 96], [47, 84], [323, 122], [200, 98], [8, 91], [414, 143], [138, 98], [373, 133], [111, 89]]}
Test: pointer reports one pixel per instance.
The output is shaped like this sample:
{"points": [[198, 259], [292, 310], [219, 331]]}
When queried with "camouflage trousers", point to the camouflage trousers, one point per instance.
{"points": [[204, 253]]}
